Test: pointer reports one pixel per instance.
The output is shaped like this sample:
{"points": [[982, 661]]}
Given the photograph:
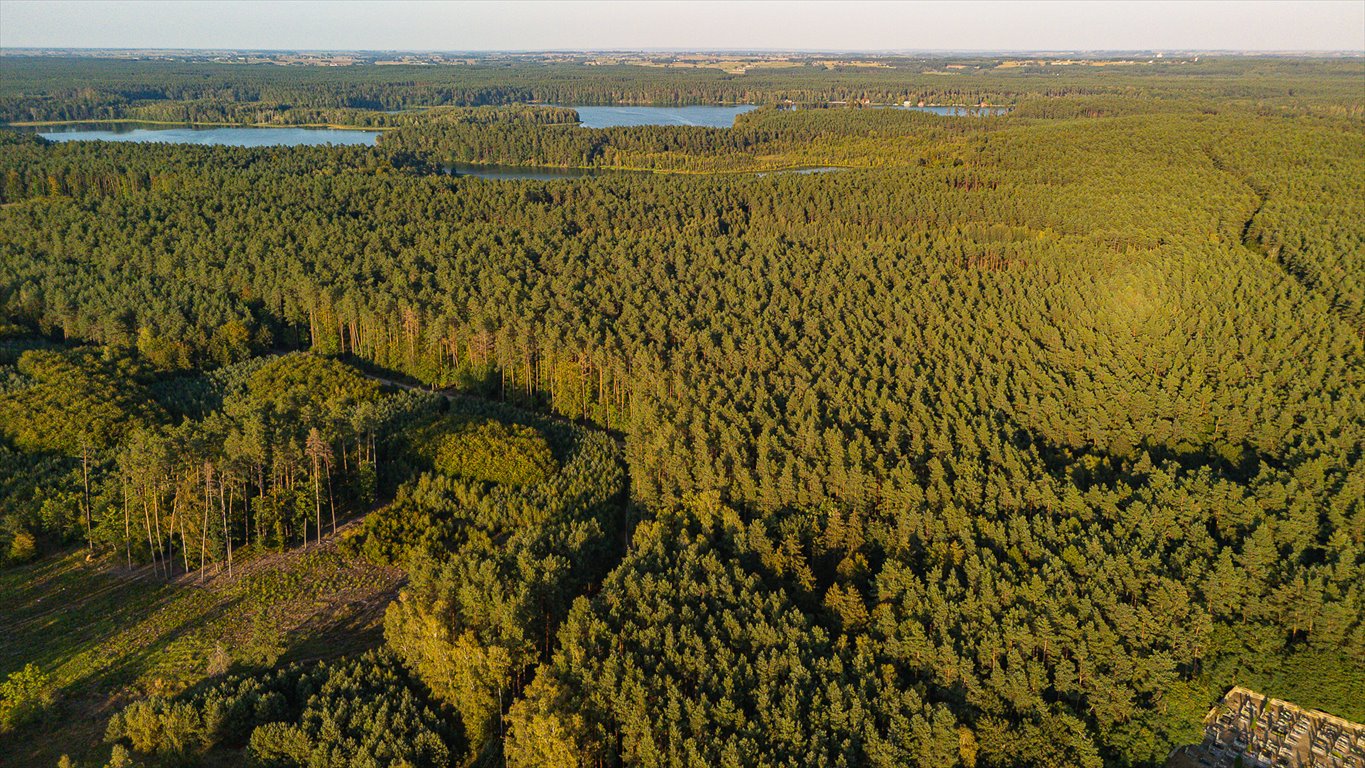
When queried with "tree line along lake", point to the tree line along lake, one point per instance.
{"points": [[709, 116], [263, 136]]}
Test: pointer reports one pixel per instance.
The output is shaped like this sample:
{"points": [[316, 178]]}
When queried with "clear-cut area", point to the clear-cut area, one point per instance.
{"points": [[1249, 729]]}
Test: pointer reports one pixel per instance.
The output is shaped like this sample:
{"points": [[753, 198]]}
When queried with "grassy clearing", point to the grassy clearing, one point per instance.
{"points": [[105, 633]]}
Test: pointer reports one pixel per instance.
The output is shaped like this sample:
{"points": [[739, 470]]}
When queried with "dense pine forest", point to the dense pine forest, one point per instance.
{"points": [[1004, 440]]}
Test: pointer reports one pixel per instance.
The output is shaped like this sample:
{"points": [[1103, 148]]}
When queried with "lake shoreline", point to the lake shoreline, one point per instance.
{"points": [[193, 123]]}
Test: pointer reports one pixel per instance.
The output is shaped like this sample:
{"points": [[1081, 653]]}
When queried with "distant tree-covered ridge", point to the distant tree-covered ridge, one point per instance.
{"points": [[82, 88], [1013, 443]]}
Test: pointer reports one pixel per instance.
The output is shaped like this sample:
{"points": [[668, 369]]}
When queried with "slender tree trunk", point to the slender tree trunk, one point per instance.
{"points": [[127, 532], [156, 515], [204, 528], [147, 518], [331, 501], [246, 510], [317, 500], [602, 395], [85, 478], [176, 509], [226, 507]]}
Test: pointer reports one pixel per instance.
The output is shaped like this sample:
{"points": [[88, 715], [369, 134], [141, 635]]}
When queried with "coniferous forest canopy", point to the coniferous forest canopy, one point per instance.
{"points": [[1011, 440]]}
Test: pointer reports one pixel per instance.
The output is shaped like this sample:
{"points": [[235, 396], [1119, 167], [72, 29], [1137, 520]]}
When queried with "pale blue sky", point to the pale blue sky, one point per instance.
{"points": [[410, 25]]}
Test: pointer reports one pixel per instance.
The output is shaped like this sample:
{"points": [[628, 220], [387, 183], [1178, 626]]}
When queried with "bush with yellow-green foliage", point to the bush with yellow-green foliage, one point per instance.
{"points": [[299, 391], [22, 548], [495, 452], [25, 697], [350, 713], [75, 398]]}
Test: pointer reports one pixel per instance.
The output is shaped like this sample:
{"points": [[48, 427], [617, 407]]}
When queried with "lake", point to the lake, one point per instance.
{"points": [[236, 136], [960, 111], [709, 116]]}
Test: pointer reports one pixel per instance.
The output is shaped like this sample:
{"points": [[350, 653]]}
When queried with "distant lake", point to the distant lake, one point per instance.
{"points": [[709, 116], [236, 136], [960, 111]]}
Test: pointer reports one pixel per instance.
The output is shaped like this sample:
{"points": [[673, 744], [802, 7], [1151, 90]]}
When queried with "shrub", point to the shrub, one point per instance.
{"points": [[119, 758], [24, 698], [495, 452], [351, 713], [159, 726], [280, 744], [22, 548]]}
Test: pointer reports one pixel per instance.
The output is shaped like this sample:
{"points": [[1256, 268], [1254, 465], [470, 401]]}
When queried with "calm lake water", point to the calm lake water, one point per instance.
{"points": [[960, 111], [236, 136], [707, 115]]}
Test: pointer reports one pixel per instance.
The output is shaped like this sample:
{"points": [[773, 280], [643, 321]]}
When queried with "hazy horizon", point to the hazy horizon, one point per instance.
{"points": [[1324, 26], [1252, 52]]}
